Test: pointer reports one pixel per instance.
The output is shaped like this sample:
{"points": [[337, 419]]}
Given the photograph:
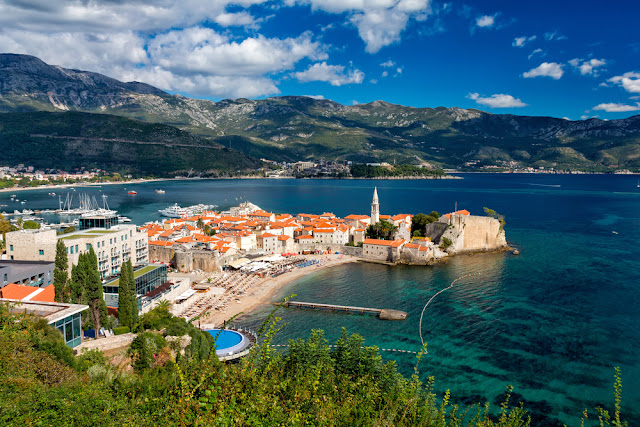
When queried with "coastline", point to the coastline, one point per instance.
{"points": [[265, 290], [144, 181], [94, 184]]}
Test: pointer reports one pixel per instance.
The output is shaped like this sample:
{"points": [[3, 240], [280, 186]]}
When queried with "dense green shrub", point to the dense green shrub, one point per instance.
{"points": [[311, 383], [121, 330]]}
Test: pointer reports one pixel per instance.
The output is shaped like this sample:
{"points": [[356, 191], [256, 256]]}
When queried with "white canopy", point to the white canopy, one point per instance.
{"points": [[185, 295]]}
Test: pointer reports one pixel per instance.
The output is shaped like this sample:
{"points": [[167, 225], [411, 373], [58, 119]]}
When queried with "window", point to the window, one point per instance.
{"points": [[11, 257], [76, 248], [88, 246], [71, 250], [11, 247], [40, 251]]}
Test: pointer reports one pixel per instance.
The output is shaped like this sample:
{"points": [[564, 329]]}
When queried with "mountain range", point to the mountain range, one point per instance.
{"points": [[290, 128]]}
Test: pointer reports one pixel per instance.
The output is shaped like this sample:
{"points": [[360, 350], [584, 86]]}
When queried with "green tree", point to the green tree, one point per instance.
{"points": [[420, 221], [208, 230], [124, 298], [30, 225], [93, 289], [61, 273], [381, 230], [200, 224], [134, 294], [5, 227], [496, 215], [78, 279], [127, 297]]}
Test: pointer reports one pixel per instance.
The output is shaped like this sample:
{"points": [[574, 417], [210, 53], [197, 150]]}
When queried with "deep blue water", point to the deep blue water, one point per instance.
{"points": [[552, 322]]}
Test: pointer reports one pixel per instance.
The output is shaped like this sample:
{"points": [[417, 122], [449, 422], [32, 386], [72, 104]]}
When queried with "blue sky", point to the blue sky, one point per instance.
{"points": [[558, 58]]}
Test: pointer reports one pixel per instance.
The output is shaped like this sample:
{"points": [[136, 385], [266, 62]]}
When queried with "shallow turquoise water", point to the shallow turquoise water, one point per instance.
{"points": [[552, 322]]}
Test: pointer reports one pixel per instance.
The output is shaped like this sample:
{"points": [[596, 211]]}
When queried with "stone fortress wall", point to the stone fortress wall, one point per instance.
{"points": [[471, 233]]}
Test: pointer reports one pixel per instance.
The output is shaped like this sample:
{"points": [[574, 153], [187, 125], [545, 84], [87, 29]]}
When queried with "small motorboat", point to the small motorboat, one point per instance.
{"points": [[132, 192], [160, 191]]}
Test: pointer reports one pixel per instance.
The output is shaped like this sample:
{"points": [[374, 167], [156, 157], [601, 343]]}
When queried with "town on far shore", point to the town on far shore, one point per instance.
{"points": [[212, 265]]}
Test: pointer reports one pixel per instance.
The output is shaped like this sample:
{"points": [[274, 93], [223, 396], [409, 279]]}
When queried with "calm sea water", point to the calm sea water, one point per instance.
{"points": [[552, 322]]}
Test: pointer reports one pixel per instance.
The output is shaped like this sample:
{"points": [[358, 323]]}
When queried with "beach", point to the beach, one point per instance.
{"points": [[262, 291]]}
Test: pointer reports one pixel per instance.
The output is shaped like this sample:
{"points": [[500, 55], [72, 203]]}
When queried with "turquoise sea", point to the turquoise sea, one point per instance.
{"points": [[552, 322]]}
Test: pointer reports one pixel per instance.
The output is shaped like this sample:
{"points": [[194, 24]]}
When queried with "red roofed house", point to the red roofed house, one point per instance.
{"points": [[382, 250], [285, 244], [460, 212], [357, 220], [268, 242]]}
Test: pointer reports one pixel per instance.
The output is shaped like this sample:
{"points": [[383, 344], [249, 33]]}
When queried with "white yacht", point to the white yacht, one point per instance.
{"points": [[174, 211]]}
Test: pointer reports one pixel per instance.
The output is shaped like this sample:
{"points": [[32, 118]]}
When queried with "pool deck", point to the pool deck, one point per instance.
{"points": [[237, 351]]}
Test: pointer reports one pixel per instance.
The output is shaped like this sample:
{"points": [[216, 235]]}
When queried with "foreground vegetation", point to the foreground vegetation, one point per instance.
{"points": [[42, 383]]}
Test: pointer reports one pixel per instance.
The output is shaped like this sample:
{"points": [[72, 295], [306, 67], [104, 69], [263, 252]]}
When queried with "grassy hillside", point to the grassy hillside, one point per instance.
{"points": [[73, 139]]}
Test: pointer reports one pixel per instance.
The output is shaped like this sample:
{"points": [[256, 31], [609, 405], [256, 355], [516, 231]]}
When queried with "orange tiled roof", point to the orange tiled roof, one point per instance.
{"points": [[379, 242], [304, 236], [460, 212], [266, 235], [19, 292], [353, 216], [161, 243], [323, 230], [283, 238]]}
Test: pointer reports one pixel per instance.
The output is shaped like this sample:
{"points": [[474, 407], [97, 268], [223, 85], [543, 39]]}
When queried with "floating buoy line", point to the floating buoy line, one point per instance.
{"points": [[441, 291]]}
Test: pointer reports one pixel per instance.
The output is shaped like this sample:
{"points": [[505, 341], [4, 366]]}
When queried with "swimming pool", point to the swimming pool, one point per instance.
{"points": [[227, 341]]}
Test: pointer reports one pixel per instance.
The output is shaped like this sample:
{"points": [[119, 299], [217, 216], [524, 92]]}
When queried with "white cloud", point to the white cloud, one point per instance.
{"points": [[617, 108], [332, 74], [156, 41], [388, 64], [315, 96], [112, 15], [522, 41], [486, 21], [385, 73], [629, 81], [546, 69], [535, 52], [379, 23], [238, 19], [589, 67], [399, 70], [202, 50], [498, 100], [554, 36], [196, 60]]}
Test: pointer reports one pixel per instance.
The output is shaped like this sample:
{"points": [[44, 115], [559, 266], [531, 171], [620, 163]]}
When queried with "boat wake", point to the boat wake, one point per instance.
{"points": [[546, 185]]}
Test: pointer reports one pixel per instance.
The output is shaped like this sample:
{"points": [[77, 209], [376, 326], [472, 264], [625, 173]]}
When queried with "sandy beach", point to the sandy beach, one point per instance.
{"points": [[263, 291]]}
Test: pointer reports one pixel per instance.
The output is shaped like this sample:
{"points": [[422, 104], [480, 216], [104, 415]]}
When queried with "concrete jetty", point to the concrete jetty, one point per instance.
{"points": [[384, 314]]}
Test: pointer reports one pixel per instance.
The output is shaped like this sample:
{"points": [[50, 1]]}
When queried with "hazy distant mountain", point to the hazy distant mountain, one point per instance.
{"points": [[294, 128]]}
